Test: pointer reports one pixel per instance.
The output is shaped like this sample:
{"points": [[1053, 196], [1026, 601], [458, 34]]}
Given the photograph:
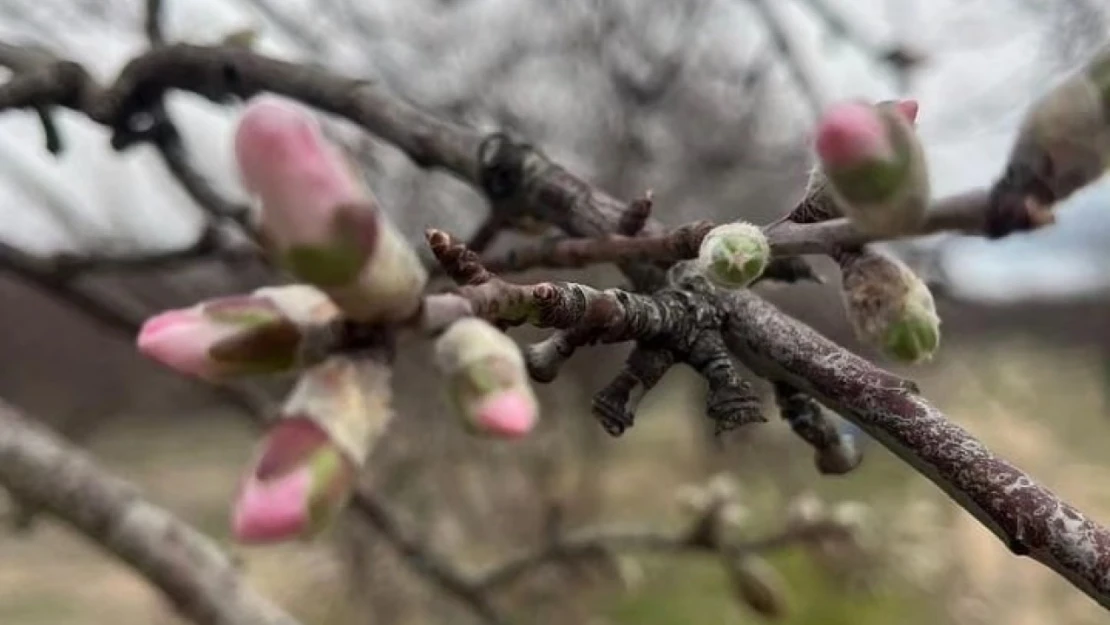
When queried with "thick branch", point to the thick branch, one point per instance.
{"points": [[1028, 517], [188, 567]]}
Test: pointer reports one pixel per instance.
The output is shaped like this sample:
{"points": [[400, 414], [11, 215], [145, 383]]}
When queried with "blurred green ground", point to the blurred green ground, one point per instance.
{"points": [[1042, 408]]}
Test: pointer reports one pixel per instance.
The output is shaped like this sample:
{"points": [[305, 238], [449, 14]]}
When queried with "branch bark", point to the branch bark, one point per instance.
{"points": [[1030, 519], [187, 566], [1026, 516]]}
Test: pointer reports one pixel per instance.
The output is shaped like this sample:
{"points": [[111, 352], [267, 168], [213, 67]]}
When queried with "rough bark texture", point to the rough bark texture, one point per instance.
{"points": [[190, 570], [1030, 519]]}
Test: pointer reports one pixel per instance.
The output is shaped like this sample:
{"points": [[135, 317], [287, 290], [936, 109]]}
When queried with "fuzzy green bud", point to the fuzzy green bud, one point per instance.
{"points": [[890, 308], [733, 255]]}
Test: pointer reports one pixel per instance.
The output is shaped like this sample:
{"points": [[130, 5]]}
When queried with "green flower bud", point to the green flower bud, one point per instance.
{"points": [[733, 255], [890, 307]]}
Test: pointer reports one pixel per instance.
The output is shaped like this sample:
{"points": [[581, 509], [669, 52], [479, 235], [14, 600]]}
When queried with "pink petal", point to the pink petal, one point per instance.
{"points": [[508, 414], [289, 443], [171, 319], [179, 339], [909, 109], [285, 159], [850, 133], [273, 510]]}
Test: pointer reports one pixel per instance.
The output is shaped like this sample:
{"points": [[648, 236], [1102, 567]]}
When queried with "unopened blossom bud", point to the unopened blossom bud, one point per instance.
{"points": [[308, 463], [487, 380], [890, 307], [299, 482], [318, 219], [733, 255], [1063, 142], [874, 165], [264, 332], [759, 586]]}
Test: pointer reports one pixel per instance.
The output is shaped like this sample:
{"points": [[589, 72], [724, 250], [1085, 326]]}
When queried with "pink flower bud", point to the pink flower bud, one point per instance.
{"points": [[319, 221], [852, 133], [300, 178], [239, 335], [487, 379], [308, 463], [508, 414], [298, 484]]}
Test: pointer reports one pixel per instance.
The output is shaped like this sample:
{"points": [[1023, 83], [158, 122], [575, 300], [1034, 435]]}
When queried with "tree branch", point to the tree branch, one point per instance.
{"points": [[967, 213], [1029, 518], [188, 567]]}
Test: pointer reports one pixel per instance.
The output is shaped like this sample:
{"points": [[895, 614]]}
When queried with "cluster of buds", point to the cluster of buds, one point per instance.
{"points": [[487, 379], [274, 329], [307, 464], [319, 221], [734, 255], [889, 306], [874, 165], [326, 229]]}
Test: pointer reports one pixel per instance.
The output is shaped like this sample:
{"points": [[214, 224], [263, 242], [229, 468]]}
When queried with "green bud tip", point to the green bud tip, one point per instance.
{"points": [[915, 335], [734, 255]]}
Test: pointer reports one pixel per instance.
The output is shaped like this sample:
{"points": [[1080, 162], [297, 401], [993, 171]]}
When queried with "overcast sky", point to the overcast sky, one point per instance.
{"points": [[987, 61]]}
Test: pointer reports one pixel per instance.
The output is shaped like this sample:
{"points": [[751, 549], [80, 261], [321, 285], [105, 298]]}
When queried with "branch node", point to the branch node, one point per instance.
{"points": [[614, 406], [731, 401], [636, 215], [836, 452], [459, 262]]}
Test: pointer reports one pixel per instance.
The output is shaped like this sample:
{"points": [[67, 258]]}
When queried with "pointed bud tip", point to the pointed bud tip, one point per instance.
{"points": [[849, 133], [156, 325], [909, 109], [509, 414], [272, 511], [177, 339], [269, 123]]}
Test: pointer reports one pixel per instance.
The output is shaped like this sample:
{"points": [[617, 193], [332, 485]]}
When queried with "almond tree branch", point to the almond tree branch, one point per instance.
{"points": [[1029, 518], [967, 213], [187, 566]]}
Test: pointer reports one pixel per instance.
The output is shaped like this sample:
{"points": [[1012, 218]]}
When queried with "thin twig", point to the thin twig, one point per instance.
{"points": [[591, 542]]}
